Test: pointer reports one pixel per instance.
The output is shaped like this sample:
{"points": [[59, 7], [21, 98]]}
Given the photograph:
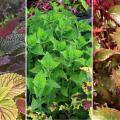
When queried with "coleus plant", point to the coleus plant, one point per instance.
{"points": [[59, 63], [77, 7], [12, 86], [106, 58]]}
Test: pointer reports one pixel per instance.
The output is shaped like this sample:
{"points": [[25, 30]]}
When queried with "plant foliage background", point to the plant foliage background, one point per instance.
{"points": [[12, 60], [59, 60], [106, 21]]}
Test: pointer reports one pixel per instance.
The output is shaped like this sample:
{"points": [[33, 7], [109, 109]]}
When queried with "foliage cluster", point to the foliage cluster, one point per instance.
{"points": [[106, 21], [12, 82], [59, 65]]}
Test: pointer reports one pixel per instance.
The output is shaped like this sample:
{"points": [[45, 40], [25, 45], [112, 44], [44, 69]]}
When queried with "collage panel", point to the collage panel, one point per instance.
{"points": [[12, 60], [106, 59], [59, 60]]}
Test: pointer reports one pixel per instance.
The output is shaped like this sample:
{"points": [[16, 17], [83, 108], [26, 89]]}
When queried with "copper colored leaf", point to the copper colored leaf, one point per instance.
{"points": [[117, 39], [105, 113], [104, 54], [116, 77], [20, 102], [115, 13]]}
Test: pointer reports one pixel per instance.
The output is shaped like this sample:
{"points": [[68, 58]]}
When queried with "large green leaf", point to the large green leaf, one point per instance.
{"points": [[39, 83]]}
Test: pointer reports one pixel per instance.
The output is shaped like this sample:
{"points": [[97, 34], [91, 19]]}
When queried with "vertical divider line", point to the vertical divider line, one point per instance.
{"points": [[92, 57], [25, 59]]}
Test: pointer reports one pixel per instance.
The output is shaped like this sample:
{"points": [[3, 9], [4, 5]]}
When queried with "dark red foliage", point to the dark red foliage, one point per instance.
{"points": [[8, 28]]}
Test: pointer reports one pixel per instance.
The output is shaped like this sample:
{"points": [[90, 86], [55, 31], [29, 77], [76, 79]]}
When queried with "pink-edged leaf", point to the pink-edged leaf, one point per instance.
{"points": [[15, 82], [8, 109]]}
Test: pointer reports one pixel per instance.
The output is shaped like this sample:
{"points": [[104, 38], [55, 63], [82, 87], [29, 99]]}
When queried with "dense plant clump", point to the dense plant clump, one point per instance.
{"points": [[12, 60], [106, 59], [59, 65]]}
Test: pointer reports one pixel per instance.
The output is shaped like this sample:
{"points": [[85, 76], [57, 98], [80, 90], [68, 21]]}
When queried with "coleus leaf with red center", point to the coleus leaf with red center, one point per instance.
{"points": [[11, 85]]}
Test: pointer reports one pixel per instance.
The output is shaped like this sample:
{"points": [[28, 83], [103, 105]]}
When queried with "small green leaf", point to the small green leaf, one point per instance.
{"points": [[48, 62], [42, 34], [38, 50], [32, 40], [84, 4]]}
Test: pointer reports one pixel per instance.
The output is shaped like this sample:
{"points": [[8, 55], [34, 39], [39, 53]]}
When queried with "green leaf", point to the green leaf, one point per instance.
{"points": [[64, 91], [39, 83], [84, 4], [35, 104], [59, 45], [72, 53], [32, 40], [79, 78], [42, 34], [53, 84], [38, 50], [48, 62]]}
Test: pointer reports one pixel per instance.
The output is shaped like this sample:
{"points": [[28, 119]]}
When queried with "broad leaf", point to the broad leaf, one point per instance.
{"points": [[48, 62]]}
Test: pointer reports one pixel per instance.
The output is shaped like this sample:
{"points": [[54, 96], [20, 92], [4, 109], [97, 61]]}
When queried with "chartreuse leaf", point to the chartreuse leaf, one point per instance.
{"points": [[39, 83], [8, 110], [59, 45], [32, 40], [106, 113], [72, 53], [11, 85], [15, 82], [38, 50], [84, 4], [42, 34], [48, 62], [4, 92]]}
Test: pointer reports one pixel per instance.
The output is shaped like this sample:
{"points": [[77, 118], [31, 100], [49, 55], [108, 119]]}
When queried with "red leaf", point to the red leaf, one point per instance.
{"points": [[20, 102]]}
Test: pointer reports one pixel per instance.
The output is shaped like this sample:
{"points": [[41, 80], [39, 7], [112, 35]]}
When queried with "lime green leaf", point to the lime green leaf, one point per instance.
{"points": [[39, 83], [48, 62], [32, 40], [38, 50], [42, 34], [84, 4]]}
